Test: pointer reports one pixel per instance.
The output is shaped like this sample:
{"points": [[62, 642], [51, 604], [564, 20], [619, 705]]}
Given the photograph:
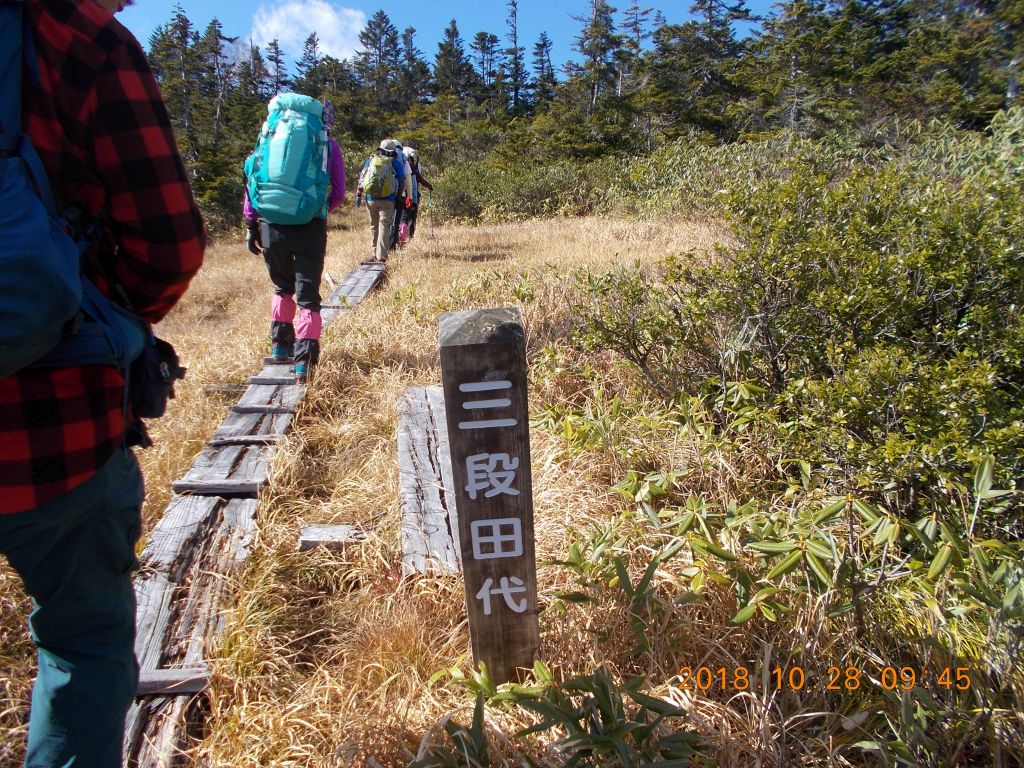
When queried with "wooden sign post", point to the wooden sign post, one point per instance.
{"points": [[483, 370]]}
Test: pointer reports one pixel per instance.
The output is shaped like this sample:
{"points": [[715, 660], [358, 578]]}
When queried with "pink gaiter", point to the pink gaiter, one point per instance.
{"points": [[282, 309], [309, 325]]}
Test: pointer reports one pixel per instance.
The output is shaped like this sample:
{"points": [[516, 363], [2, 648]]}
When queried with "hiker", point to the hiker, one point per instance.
{"points": [[409, 215], [380, 180], [290, 229], [404, 199], [70, 487]]}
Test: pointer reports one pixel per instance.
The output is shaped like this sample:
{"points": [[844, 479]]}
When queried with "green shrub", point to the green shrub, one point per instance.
{"points": [[488, 190]]}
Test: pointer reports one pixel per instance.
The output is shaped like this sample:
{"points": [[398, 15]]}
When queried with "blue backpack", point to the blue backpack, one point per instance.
{"points": [[50, 316], [286, 174]]}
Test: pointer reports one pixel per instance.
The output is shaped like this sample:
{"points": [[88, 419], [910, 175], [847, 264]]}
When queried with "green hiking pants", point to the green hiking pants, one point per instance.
{"points": [[75, 556]]}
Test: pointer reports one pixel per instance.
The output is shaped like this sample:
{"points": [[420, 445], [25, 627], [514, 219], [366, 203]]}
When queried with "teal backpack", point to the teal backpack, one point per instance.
{"points": [[286, 174]]}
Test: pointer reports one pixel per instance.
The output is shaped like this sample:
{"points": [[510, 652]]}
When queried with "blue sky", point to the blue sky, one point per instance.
{"points": [[338, 22]]}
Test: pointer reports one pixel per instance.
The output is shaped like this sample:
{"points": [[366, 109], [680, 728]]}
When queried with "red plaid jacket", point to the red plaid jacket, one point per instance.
{"points": [[99, 124]]}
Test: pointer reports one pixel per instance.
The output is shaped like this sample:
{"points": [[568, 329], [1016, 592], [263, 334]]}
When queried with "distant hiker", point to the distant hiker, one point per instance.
{"points": [[71, 490], [381, 178], [409, 214], [295, 175], [404, 200]]}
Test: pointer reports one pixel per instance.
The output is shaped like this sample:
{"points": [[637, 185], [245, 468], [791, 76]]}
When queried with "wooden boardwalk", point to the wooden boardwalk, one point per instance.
{"points": [[193, 555]]}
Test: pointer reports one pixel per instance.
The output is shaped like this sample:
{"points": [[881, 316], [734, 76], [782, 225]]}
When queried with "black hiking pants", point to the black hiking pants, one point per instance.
{"points": [[294, 254], [397, 221], [409, 216]]}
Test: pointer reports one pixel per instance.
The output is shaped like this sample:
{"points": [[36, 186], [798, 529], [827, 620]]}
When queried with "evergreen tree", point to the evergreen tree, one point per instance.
{"points": [[543, 72], [378, 64], [693, 69], [278, 74], [516, 61], [630, 55], [216, 70], [414, 80], [453, 72], [485, 54], [598, 44], [253, 76], [965, 58], [172, 53], [308, 77], [790, 67]]}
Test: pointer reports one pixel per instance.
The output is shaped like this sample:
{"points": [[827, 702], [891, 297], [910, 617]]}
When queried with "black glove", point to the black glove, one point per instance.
{"points": [[253, 241]]}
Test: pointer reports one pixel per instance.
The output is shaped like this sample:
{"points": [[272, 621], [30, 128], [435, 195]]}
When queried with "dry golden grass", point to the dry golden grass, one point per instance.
{"points": [[329, 659]]}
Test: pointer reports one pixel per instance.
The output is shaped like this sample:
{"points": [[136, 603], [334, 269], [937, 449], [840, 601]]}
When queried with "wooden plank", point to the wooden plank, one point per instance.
{"points": [[430, 531], [243, 424], [262, 398], [188, 567], [277, 373], [353, 289], [262, 409], [229, 469], [271, 360], [224, 389], [329, 536], [172, 682], [218, 442], [483, 370]]}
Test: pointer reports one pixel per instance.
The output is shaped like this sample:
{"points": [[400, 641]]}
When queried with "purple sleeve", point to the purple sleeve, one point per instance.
{"points": [[251, 217], [337, 161]]}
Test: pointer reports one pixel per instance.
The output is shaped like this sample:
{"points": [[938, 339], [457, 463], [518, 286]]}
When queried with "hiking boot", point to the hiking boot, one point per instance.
{"points": [[282, 354], [301, 372]]}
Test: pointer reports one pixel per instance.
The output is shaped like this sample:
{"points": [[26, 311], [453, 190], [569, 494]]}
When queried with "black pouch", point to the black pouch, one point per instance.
{"points": [[150, 385]]}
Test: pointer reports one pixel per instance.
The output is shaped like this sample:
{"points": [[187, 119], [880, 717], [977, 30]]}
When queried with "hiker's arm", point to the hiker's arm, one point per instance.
{"points": [[337, 161], [423, 182], [252, 219], [153, 217]]}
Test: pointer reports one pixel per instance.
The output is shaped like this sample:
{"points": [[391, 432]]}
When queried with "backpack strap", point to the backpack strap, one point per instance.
{"points": [[18, 56], [105, 333], [12, 36]]}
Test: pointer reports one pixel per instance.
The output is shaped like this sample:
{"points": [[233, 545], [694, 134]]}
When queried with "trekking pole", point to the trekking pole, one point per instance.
{"points": [[430, 209]]}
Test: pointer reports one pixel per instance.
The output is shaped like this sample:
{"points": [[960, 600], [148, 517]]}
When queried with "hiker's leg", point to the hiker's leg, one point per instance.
{"points": [[280, 261], [75, 556], [278, 254], [387, 218], [310, 247], [282, 330], [373, 207], [396, 221], [413, 213]]}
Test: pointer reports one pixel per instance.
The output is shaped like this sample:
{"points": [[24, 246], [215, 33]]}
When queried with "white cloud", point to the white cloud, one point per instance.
{"points": [[290, 22]]}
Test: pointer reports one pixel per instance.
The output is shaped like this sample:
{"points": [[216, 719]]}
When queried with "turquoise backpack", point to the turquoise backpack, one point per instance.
{"points": [[286, 174]]}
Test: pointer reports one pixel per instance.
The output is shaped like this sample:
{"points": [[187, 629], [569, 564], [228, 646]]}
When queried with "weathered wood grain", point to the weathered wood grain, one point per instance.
{"points": [[253, 424], [275, 373], [430, 529], [270, 398], [336, 537], [353, 289], [230, 469], [187, 570], [173, 682]]}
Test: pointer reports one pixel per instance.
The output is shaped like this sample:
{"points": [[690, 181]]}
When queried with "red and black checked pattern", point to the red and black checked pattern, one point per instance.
{"points": [[101, 129]]}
